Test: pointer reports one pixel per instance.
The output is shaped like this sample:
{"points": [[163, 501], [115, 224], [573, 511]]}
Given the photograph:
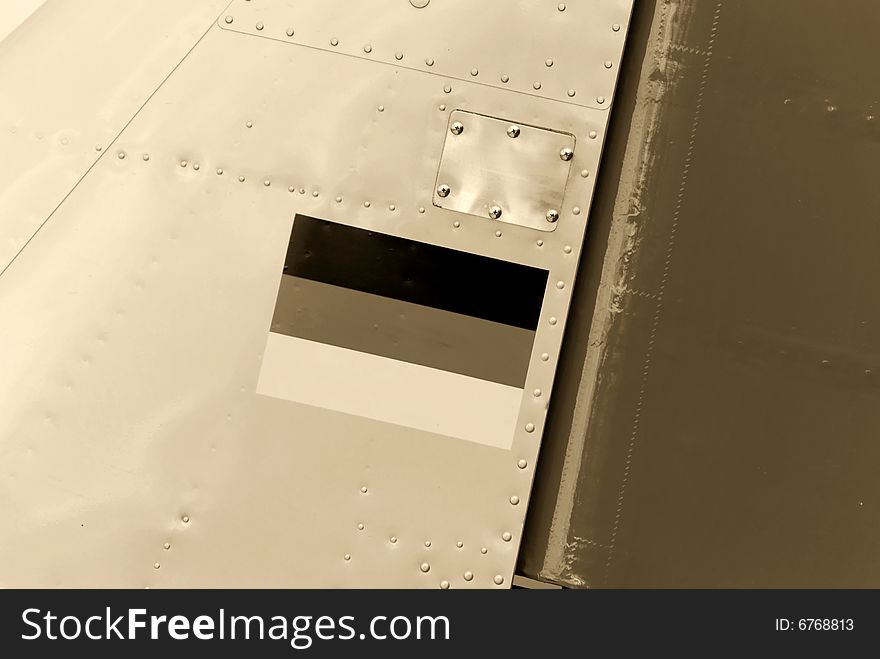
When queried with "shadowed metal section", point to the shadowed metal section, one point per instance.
{"points": [[403, 331], [725, 428]]}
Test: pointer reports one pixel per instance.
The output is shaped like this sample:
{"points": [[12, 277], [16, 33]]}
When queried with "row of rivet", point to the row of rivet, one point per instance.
{"points": [[429, 61], [426, 567]]}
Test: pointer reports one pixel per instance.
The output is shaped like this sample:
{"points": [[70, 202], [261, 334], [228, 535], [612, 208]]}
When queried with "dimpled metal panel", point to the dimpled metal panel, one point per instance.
{"points": [[134, 448]]}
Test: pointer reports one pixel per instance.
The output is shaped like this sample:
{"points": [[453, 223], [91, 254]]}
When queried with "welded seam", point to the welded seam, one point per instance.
{"points": [[670, 249], [112, 142]]}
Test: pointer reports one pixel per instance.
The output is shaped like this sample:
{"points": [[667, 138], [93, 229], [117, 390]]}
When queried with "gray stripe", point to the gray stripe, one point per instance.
{"points": [[401, 330]]}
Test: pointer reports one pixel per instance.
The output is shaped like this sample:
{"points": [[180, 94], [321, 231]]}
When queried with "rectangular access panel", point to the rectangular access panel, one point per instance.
{"points": [[270, 353]]}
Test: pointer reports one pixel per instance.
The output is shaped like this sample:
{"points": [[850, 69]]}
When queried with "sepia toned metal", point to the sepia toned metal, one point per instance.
{"points": [[143, 264], [717, 410], [503, 170]]}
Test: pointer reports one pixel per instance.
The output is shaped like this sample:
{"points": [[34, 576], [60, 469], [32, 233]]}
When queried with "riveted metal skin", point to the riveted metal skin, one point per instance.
{"points": [[139, 311], [460, 37]]}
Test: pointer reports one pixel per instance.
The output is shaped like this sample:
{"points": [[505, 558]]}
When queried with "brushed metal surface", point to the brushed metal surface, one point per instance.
{"points": [[131, 359], [523, 176]]}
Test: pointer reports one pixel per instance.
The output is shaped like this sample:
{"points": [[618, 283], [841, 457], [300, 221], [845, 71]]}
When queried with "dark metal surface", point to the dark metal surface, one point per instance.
{"points": [[727, 430]]}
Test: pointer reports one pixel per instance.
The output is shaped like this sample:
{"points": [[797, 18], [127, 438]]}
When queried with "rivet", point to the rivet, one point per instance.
{"points": [[228, 20], [421, 209], [429, 61], [260, 26], [219, 172], [498, 234], [506, 536], [381, 108], [576, 210], [537, 85], [338, 200], [608, 64], [468, 576], [167, 546], [392, 207], [267, 183], [530, 427], [334, 41], [537, 393], [347, 557], [545, 357], [513, 131], [197, 166], [367, 204], [241, 179], [593, 135], [495, 212], [98, 147], [548, 62], [539, 243], [364, 489], [514, 500], [443, 107], [475, 71], [553, 320], [566, 154], [427, 543], [443, 190], [459, 544], [552, 215], [567, 249], [291, 189], [316, 194], [616, 27], [484, 550], [561, 6], [360, 527], [571, 93], [600, 100], [522, 464], [146, 157], [457, 128], [424, 567], [447, 89], [302, 190], [121, 155], [456, 224], [499, 580], [398, 56], [505, 78], [185, 519], [290, 32], [585, 173], [156, 566], [444, 585], [393, 540], [368, 48], [249, 124]]}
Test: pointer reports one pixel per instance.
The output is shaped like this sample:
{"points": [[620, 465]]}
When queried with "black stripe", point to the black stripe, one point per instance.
{"points": [[409, 271]]}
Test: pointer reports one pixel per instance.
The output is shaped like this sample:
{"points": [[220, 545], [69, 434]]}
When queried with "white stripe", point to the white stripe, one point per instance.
{"points": [[389, 390]]}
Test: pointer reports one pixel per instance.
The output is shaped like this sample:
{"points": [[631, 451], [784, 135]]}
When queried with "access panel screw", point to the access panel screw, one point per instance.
{"points": [[457, 128], [443, 190], [566, 154], [495, 212]]}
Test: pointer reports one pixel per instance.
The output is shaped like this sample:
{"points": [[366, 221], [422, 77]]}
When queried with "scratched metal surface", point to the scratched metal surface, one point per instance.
{"points": [[134, 448], [721, 425]]}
